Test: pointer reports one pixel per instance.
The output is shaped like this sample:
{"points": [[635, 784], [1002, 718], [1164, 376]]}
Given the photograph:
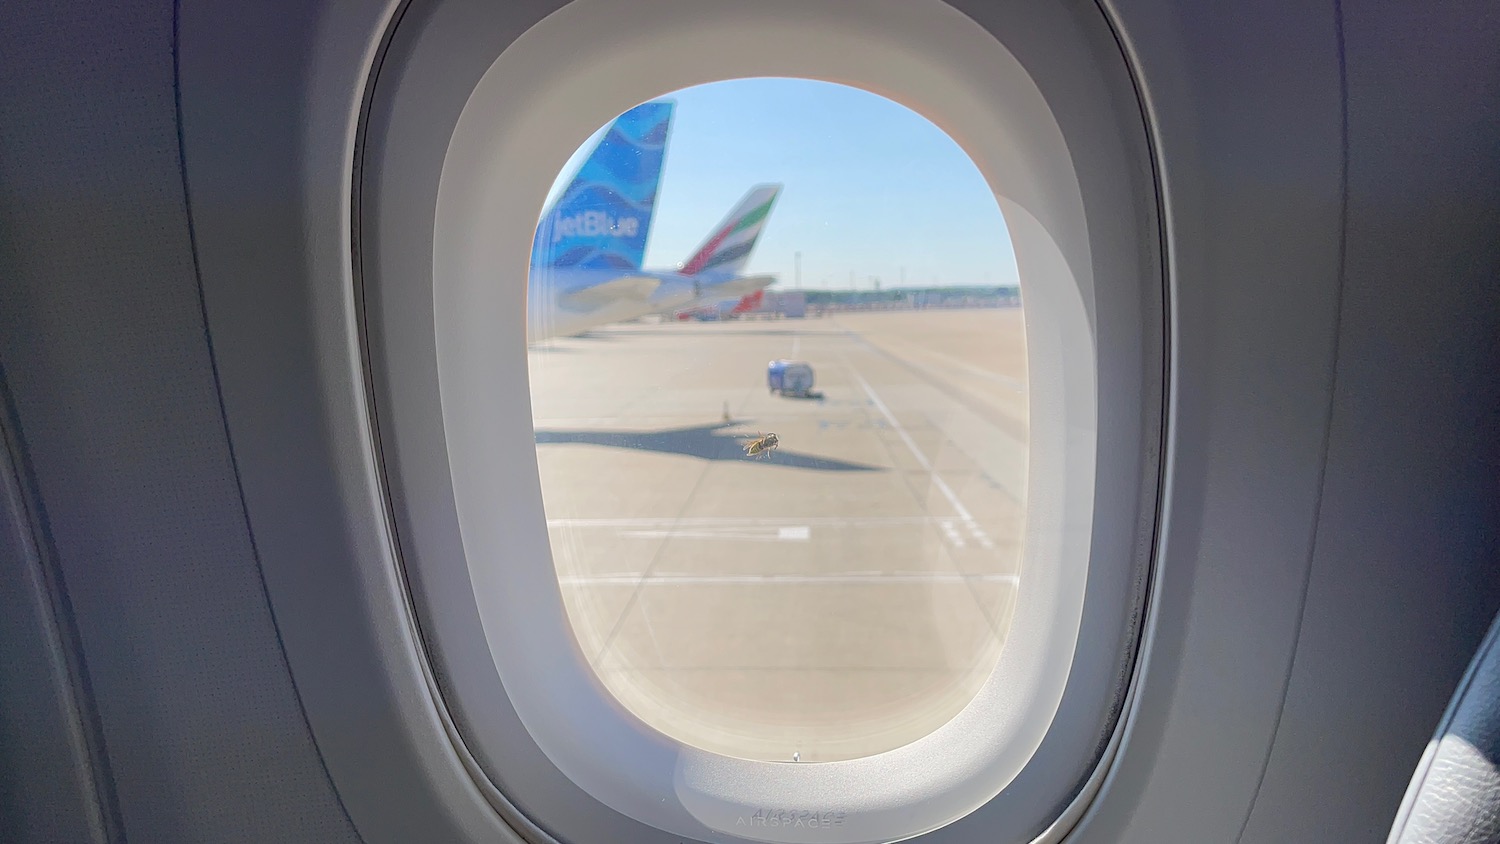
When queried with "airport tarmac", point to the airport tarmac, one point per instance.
{"points": [[843, 596]]}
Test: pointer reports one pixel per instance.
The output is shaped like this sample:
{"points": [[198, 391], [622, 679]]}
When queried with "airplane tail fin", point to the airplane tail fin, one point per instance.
{"points": [[750, 302], [728, 248], [603, 217]]}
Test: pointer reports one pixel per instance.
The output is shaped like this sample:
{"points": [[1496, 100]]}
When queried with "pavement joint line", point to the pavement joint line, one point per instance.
{"points": [[651, 632], [938, 384], [1013, 384], [635, 595]]}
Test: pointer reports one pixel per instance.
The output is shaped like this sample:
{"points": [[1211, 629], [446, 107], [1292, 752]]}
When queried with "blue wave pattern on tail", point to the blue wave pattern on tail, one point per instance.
{"points": [[603, 218]]}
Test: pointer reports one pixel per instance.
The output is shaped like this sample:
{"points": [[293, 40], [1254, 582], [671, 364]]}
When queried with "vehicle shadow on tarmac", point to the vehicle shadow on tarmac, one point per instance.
{"points": [[707, 442]]}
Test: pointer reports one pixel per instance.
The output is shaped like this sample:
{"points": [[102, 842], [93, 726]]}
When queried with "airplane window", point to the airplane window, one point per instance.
{"points": [[778, 378], [754, 497]]}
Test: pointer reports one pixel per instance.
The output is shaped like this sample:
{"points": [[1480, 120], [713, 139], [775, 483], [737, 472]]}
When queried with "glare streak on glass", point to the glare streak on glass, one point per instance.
{"points": [[785, 506]]}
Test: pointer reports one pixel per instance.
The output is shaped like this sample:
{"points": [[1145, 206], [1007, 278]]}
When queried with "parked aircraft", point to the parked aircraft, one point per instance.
{"points": [[722, 308], [590, 245], [587, 254], [716, 264], [275, 557]]}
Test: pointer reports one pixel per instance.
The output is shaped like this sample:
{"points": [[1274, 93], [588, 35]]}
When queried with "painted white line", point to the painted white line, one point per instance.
{"points": [[796, 345], [789, 528], [852, 578], [789, 533], [983, 538], [947, 491], [942, 485], [750, 521], [953, 535]]}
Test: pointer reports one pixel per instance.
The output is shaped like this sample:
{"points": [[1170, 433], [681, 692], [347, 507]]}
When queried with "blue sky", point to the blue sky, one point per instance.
{"points": [[871, 187]]}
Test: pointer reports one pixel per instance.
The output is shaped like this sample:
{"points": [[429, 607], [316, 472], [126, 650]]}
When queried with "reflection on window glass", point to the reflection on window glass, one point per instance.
{"points": [[778, 379]]}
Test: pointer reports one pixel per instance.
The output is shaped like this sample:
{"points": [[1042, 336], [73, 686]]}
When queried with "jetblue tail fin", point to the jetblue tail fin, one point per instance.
{"points": [[601, 221], [728, 247]]}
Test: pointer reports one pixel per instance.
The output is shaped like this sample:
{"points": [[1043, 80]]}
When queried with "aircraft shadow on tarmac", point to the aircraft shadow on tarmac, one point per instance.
{"points": [[707, 442]]}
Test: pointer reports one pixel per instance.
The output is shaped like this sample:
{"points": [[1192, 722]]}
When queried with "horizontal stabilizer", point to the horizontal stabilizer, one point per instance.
{"points": [[627, 288], [750, 302], [738, 286]]}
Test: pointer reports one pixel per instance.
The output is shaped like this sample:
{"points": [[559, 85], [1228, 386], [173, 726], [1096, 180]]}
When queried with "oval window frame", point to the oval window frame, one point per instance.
{"points": [[408, 450]]}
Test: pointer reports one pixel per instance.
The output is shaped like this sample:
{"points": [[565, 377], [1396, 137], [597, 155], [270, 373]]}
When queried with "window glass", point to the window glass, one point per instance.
{"points": [[778, 381]]}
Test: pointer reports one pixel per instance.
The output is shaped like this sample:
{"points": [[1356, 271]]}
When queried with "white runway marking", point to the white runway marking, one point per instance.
{"points": [[981, 536], [847, 578], [953, 535], [735, 521], [786, 533], [942, 485]]}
